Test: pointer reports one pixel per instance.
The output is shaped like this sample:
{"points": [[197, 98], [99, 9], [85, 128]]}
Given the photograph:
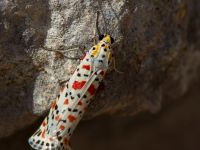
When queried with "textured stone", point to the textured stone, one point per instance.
{"points": [[159, 54]]}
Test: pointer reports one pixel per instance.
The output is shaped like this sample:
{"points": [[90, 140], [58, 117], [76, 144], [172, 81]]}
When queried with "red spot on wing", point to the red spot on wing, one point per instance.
{"points": [[50, 139], [66, 102], [62, 127], [71, 118], [53, 104], [43, 123], [43, 134], [87, 67], [91, 89], [57, 118], [80, 103], [78, 85]]}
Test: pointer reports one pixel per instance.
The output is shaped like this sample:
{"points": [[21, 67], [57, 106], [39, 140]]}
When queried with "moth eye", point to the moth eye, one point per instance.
{"points": [[101, 36], [112, 40]]}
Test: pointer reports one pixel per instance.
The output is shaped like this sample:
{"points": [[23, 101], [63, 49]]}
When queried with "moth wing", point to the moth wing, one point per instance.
{"points": [[84, 90]]}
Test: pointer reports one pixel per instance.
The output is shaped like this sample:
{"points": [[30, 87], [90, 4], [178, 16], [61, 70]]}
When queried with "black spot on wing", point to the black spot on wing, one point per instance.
{"points": [[75, 110], [57, 111], [52, 117], [86, 75], [59, 138], [39, 133], [80, 112], [64, 121], [58, 133], [78, 74], [66, 94], [38, 142]]}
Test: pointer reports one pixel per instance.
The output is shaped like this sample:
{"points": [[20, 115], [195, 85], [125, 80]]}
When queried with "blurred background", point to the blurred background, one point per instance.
{"points": [[153, 105]]}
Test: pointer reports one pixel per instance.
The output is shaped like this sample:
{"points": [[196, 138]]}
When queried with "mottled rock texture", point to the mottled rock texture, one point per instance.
{"points": [[159, 54]]}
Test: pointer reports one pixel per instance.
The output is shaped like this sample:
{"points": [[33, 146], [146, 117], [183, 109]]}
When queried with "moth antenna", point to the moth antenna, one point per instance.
{"points": [[62, 51], [96, 29], [105, 23], [97, 24]]}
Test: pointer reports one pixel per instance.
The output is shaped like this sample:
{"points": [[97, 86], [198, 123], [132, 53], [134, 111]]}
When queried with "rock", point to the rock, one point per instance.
{"points": [[159, 54]]}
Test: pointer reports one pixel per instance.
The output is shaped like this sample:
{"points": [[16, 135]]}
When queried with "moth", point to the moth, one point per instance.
{"points": [[68, 108]]}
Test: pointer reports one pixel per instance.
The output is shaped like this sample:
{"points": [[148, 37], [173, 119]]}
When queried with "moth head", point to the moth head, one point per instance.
{"points": [[106, 38]]}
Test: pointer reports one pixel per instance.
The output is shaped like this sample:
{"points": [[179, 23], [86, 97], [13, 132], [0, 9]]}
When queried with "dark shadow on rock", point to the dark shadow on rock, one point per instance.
{"points": [[23, 29]]}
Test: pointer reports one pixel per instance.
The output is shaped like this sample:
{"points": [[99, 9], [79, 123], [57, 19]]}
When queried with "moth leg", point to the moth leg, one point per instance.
{"points": [[63, 82], [115, 68], [114, 60], [61, 51]]}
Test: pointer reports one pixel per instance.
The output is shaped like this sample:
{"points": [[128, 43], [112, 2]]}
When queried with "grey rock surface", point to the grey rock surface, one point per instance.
{"points": [[159, 54]]}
